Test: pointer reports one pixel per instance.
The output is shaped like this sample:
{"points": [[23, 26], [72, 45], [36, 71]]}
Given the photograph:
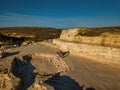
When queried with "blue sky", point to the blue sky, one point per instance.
{"points": [[59, 13]]}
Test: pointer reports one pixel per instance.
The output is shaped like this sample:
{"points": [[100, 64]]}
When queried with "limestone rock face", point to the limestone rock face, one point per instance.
{"points": [[105, 55], [104, 37], [99, 44], [69, 34], [72, 34]]}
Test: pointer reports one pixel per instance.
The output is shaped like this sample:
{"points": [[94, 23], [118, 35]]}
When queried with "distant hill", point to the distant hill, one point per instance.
{"points": [[32, 33]]}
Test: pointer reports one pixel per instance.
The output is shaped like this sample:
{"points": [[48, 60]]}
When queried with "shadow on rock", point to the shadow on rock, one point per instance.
{"points": [[7, 54], [90, 88], [63, 54], [63, 83], [24, 71]]}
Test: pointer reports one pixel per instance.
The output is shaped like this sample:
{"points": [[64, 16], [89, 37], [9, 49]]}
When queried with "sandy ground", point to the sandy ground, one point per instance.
{"points": [[83, 71]]}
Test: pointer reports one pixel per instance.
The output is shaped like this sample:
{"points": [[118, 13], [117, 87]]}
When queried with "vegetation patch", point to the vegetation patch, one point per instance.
{"points": [[10, 35]]}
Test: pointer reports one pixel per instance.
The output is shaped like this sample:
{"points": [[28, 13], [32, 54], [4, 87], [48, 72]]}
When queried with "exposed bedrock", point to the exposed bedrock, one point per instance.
{"points": [[102, 46]]}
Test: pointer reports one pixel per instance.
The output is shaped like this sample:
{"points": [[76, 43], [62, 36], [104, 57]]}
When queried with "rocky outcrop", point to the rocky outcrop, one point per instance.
{"points": [[103, 37], [102, 47], [54, 60]]}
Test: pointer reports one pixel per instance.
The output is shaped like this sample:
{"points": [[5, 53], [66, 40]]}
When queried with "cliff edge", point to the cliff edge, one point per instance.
{"points": [[99, 44]]}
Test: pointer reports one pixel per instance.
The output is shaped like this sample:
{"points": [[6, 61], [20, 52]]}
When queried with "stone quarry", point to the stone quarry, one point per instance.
{"points": [[81, 59], [103, 48]]}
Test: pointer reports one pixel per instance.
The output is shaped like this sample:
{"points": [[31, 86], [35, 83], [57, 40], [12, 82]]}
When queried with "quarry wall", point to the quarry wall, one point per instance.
{"points": [[90, 47], [105, 37]]}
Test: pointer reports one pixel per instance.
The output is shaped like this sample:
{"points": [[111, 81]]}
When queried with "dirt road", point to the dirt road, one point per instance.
{"points": [[84, 71], [93, 74]]}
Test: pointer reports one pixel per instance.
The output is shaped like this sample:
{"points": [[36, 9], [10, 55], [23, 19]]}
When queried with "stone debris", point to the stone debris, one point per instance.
{"points": [[26, 43], [60, 64]]}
